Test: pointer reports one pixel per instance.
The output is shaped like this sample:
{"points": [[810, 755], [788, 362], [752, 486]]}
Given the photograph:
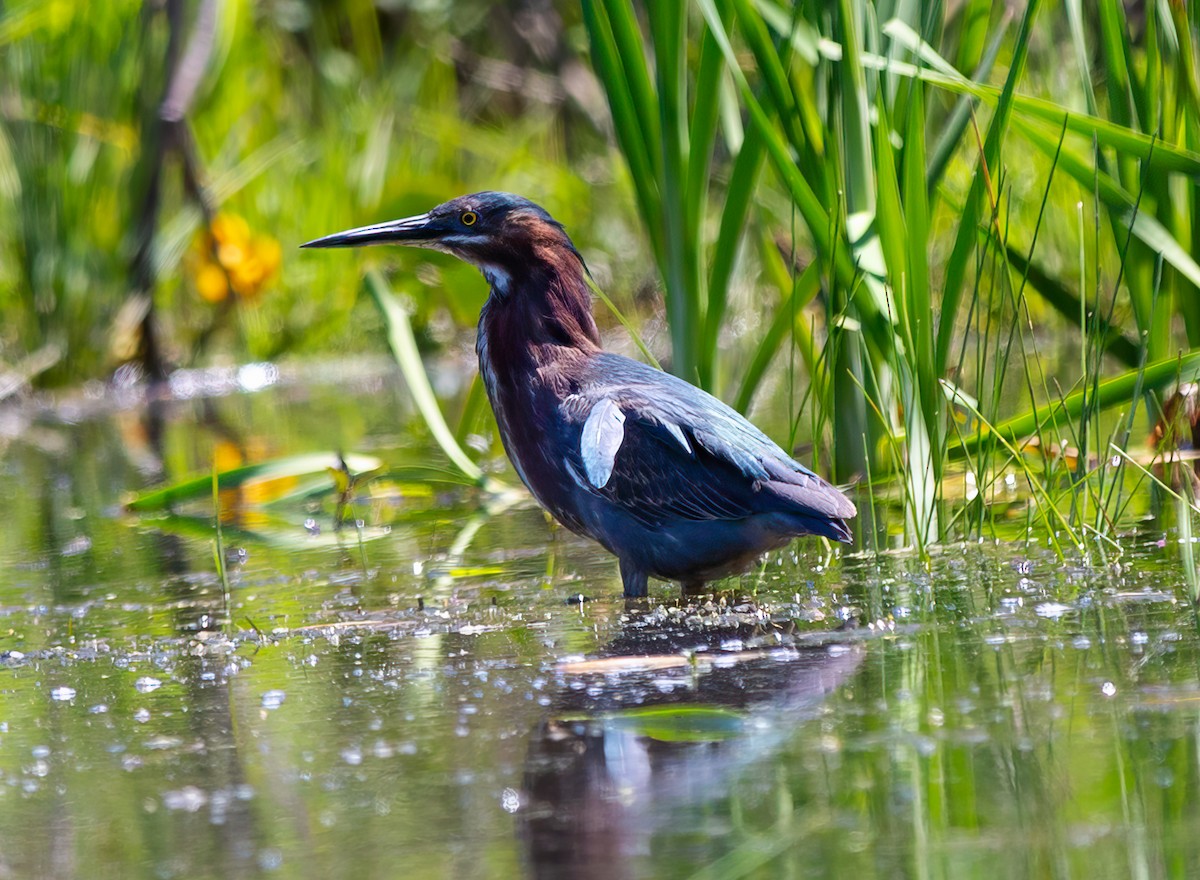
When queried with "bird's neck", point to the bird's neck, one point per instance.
{"points": [[545, 305], [536, 335]]}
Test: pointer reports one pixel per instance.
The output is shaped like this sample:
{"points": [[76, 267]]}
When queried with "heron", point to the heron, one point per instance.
{"points": [[673, 482]]}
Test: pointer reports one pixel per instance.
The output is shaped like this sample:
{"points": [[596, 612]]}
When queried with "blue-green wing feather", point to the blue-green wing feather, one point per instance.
{"points": [[662, 449]]}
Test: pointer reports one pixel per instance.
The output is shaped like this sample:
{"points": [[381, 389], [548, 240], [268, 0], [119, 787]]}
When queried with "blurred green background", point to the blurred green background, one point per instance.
{"points": [[905, 230], [307, 118]]}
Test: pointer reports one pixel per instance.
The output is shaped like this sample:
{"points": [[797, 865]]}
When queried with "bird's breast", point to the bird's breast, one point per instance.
{"points": [[526, 396]]}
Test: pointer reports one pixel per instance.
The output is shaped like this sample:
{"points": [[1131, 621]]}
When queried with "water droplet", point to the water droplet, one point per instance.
{"points": [[273, 699], [146, 684], [1108, 689], [62, 693], [77, 546], [189, 799], [1052, 610], [510, 800]]}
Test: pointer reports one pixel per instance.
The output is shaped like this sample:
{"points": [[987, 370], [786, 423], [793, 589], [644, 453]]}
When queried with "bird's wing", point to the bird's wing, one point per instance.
{"points": [[652, 468], [661, 448], [602, 435]]}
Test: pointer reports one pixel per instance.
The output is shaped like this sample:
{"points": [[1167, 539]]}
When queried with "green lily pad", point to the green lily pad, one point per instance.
{"points": [[681, 723]]}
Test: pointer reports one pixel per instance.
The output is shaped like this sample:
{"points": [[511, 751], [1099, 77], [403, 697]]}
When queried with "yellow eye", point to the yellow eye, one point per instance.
{"points": [[468, 218]]}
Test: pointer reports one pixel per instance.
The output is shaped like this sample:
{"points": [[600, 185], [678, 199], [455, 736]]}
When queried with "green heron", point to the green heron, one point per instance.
{"points": [[666, 477]]}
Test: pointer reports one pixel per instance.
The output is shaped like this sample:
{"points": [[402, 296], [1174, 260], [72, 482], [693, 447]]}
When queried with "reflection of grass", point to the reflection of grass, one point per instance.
{"points": [[680, 724]]}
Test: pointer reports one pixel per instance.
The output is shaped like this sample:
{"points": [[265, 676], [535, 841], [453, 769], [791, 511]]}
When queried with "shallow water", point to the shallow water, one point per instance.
{"points": [[435, 700]]}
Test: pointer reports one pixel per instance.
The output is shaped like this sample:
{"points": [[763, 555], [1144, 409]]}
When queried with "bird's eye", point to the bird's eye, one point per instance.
{"points": [[468, 218]]}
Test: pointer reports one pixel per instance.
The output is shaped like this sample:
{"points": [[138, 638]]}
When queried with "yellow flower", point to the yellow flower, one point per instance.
{"points": [[228, 255], [210, 283], [230, 228]]}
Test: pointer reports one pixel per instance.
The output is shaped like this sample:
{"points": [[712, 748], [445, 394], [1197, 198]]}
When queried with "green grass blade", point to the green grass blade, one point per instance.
{"points": [[857, 154], [973, 20], [629, 44], [706, 116], [920, 407], [811, 209], [778, 88], [624, 322], [1112, 392], [404, 349], [802, 36], [626, 126], [918, 286], [681, 269], [799, 293], [1119, 201], [1128, 142], [741, 190], [297, 467], [1068, 304], [1116, 62], [956, 123], [973, 210]]}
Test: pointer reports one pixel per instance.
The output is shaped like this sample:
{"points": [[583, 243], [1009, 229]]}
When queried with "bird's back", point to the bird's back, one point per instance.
{"points": [[683, 454]]}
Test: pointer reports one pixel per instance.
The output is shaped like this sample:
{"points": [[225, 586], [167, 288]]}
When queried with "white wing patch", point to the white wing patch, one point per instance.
{"points": [[603, 433]]}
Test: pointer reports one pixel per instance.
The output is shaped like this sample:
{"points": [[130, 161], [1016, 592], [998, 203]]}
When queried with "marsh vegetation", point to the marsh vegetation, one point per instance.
{"points": [[264, 573]]}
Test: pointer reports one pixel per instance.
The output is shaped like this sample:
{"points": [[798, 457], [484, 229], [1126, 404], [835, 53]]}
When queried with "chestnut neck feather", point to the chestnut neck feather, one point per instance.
{"points": [[546, 304], [535, 337]]}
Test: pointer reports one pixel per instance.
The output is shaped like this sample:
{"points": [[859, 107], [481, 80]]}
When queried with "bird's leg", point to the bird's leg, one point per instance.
{"points": [[634, 579]]}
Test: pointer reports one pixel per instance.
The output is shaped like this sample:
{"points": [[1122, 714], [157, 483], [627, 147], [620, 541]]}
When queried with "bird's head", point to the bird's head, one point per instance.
{"points": [[506, 236]]}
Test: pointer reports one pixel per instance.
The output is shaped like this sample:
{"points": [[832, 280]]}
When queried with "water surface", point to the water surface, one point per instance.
{"points": [[458, 693]]}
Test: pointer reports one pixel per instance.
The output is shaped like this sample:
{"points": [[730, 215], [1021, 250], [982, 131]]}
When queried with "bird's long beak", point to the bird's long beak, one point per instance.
{"points": [[419, 230]]}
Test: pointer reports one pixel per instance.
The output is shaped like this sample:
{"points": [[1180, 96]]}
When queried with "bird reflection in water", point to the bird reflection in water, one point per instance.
{"points": [[663, 721]]}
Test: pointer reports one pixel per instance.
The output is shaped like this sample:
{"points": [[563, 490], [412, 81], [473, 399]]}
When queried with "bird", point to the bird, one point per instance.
{"points": [[670, 480]]}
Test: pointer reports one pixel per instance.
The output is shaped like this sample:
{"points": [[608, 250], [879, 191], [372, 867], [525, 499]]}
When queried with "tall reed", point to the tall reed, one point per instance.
{"points": [[860, 117]]}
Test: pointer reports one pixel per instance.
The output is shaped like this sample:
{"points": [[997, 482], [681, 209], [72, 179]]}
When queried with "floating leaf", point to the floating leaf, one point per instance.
{"points": [[293, 467], [681, 723]]}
